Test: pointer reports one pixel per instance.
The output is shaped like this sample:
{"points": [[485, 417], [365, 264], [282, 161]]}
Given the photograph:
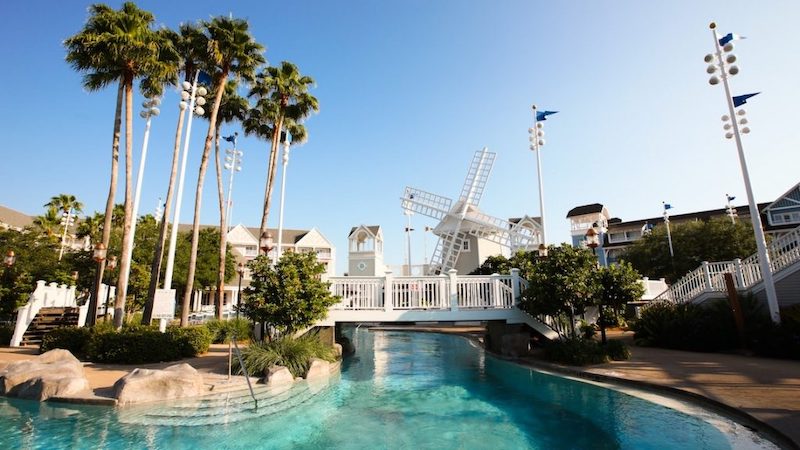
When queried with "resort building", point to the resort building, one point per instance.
{"points": [[365, 255]]}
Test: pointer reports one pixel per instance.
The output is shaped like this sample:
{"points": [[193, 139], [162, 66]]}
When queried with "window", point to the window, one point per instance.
{"points": [[250, 250], [616, 237], [465, 246]]}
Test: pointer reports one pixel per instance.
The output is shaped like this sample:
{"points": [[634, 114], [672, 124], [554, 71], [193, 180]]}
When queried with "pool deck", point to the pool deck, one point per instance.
{"points": [[765, 389]]}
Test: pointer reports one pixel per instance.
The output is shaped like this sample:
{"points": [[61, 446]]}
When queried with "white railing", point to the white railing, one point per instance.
{"points": [[358, 292], [709, 277], [420, 293], [494, 291], [45, 295]]}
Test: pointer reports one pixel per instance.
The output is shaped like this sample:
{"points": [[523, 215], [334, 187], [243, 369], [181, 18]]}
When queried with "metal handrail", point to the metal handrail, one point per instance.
{"points": [[244, 369]]}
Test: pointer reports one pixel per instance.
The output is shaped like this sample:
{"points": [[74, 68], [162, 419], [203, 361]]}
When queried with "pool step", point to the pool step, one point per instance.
{"points": [[223, 408]]}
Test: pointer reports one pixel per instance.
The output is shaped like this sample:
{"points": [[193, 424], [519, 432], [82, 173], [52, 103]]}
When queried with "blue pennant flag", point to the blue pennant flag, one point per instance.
{"points": [[231, 138], [729, 37], [740, 100], [204, 78], [667, 206], [542, 115], [730, 197]]}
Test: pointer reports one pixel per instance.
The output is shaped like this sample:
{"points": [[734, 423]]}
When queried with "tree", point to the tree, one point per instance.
{"points": [[282, 94], [693, 242], [561, 284], [233, 107], [617, 285], [206, 263], [119, 46], [522, 260], [191, 45], [233, 51], [288, 297], [64, 203], [48, 223]]}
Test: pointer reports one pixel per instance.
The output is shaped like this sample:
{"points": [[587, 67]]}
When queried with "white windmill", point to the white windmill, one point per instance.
{"points": [[458, 222]]}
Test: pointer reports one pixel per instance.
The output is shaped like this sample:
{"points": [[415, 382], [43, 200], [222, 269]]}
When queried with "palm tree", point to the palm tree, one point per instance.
{"points": [[65, 203], [282, 93], [119, 46], [48, 223], [233, 107], [191, 45], [232, 51]]}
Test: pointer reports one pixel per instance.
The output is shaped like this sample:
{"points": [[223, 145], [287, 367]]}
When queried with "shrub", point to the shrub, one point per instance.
{"points": [[222, 330], [134, 347], [6, 333], [586, 329], [617, 350], [74, 339], [575, 352], [190, 341], [293, 353], [687, 327]]}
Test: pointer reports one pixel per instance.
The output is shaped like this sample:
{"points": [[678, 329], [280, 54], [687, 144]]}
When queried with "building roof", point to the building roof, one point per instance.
{"points": [[514, 220], [374, 229], [700, 215], [14, 219], [289, 236], [585, 209], [790, 198]]}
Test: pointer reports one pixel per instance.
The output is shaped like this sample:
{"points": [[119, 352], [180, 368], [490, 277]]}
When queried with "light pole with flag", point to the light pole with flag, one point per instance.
{"points": [[536, 139], [233, 162], [722, 62], [729, 209], [667, 207]]}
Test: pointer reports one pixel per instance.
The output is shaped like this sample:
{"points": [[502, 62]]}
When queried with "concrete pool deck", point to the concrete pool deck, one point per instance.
{"points": [[765, 389]]}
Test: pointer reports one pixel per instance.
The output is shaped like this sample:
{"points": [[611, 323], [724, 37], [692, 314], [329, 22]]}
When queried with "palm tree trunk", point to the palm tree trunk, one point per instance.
{"points": [[122, 281], [273, 165], [158, 254], [198, 200], [223, 227], [112, 189]]}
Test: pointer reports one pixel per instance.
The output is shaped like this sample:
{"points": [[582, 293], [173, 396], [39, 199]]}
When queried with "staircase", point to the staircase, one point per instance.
{"points": [[47, 319], [708, 279]]}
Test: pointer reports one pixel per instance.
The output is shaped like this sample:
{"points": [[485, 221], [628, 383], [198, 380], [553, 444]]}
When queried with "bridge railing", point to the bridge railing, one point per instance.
{"points": [[358, 293]]}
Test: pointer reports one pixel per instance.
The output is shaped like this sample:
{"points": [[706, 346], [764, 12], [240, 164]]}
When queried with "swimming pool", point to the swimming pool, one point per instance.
{"points": [[401, 390]]}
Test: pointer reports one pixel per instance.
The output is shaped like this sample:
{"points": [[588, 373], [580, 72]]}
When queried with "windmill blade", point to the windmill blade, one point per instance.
{"points": [[498, 230], [477, 176], [425, 203], [446, 253]]}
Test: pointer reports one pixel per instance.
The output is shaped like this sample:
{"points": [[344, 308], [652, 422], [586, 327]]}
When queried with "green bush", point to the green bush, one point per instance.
{"points": [[6, 333], [617, 350], [686, 326], [190, 341], [222, 330], [575, 352], [134, 347], [586, 329], [293, 353], [73, 339]]}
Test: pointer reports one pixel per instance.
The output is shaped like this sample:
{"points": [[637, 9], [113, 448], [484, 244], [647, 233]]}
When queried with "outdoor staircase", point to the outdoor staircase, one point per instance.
{"points": [[708, 280], [47, 319]]}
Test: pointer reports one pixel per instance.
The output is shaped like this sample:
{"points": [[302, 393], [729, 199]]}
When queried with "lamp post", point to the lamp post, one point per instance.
{"points": [[67, 220], [111, 264], [286, 146], [194, 94], [722, 61], [9, 259], [150, 110], [408, 213], [593, 241], [425, 248], [536, 139], [99, 255], [729, 209], [266, 243], [542, 251], [667, 207], [233, 163]]}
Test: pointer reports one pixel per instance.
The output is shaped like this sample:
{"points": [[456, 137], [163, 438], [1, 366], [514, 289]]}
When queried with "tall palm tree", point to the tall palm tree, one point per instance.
{"points": [[283, 93], [65, 203], [233, 51], [47, 224], [191, 45], [120, 46], [233, 107]]}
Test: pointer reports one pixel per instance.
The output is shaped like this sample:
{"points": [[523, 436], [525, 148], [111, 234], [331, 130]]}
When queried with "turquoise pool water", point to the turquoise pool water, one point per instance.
{"points": [[400, 391]]}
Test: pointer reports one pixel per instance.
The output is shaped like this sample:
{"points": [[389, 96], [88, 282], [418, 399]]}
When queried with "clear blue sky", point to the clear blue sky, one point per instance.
{"points": [[410, 89]]}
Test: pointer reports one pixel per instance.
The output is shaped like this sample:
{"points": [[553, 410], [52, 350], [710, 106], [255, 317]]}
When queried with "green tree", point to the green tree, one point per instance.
{"points": [[232, 51], [289, 296], [693, 242], [64, 203], [561, 284], [522, 260], [206, 263], [617, 285], [282, 94]]}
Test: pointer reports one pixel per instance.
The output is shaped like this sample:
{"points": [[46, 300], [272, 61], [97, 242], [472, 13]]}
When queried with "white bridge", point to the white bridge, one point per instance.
{"points": [[441, 298]]}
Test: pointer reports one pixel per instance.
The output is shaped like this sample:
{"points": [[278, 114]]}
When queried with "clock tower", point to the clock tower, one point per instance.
{"points": [[365, 257]]}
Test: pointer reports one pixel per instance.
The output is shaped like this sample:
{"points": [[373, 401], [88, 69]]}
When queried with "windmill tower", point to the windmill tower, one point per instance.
{"points": [[459, 223]]}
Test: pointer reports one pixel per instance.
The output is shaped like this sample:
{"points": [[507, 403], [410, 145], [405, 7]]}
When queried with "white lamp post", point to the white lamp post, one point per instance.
{"points": [[722, 62], [150, 110], [193, 94], [408, 213], [286, 147], [536, 139], [266, 243], [667, 207], [67, 220], [233, 163], [729, 209]]}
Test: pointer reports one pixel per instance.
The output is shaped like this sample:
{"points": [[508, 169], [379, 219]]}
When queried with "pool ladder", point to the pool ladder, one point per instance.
{"points": [[244, 369]]}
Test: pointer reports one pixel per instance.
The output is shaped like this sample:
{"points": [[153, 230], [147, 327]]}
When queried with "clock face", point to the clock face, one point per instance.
{"points": [[362, 266]]}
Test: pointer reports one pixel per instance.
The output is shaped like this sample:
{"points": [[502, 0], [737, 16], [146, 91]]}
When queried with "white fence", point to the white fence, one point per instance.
{"points": [[709, 277]]}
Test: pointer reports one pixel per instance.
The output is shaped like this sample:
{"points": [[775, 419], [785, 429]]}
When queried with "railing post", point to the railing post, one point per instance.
{"points": [[387, 291], [496, 290], [739, 273], [707, 273], [515, 285], [453, 289]]}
